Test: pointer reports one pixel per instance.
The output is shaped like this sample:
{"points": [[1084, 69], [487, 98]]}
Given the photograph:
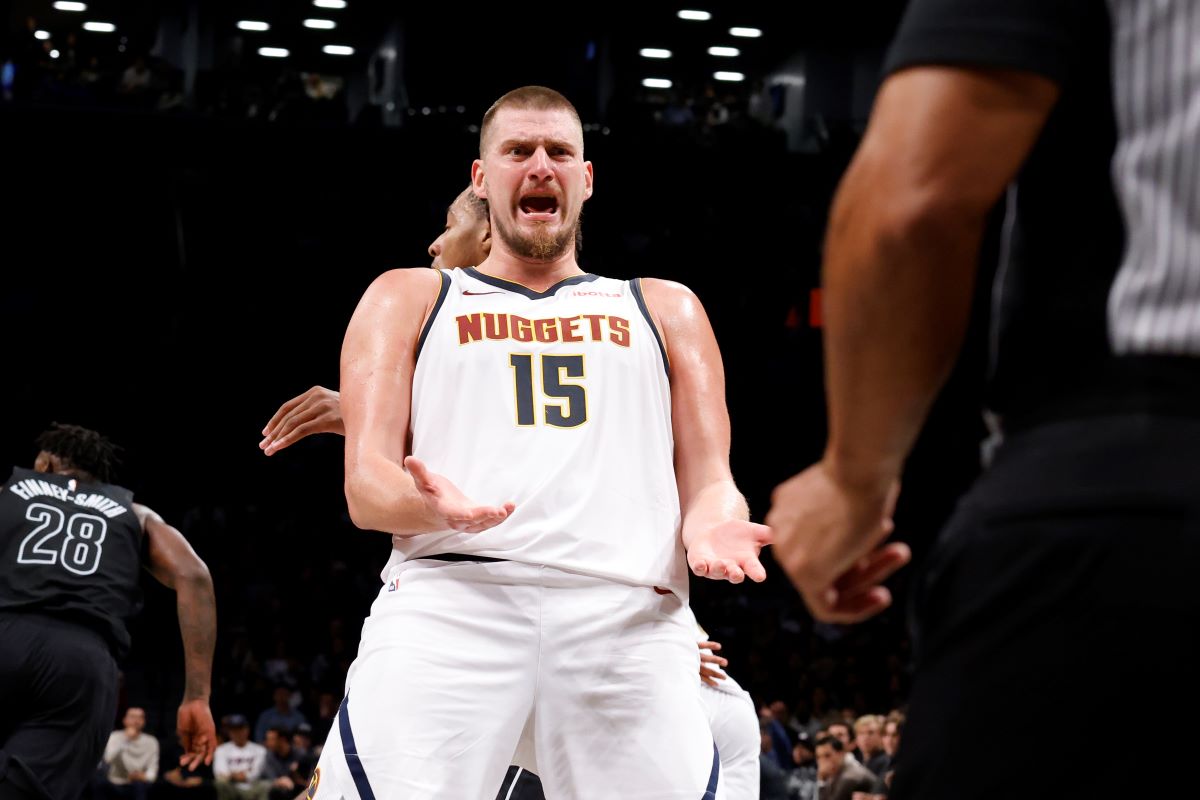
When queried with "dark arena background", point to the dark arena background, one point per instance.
{"points": [[188, 223]]}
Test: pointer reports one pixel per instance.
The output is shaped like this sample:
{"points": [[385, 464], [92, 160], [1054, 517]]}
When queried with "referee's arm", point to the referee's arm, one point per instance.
{"points": [[899, 270]]}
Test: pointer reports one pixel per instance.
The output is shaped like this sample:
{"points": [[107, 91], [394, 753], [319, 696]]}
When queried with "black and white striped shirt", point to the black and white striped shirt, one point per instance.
{"points": [[1097, 293]]}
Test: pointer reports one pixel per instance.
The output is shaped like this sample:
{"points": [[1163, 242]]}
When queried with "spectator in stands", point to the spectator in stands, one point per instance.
{"points": [[841, 732], [238, 764], [802, 780], [281, 715], [868, 732], [281, 764], [130, 759], [772, 780], [781, 743], [306, 754], [840, 776]]}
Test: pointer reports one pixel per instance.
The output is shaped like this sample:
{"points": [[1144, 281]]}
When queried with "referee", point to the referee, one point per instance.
{"points": [[1064, 584]]}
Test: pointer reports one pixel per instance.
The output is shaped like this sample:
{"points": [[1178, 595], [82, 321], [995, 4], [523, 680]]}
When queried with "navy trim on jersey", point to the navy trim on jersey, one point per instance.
{"points": [[711, 792], [511, 286], [460, 557], [351, 752], [636, 286], [437, 306]]}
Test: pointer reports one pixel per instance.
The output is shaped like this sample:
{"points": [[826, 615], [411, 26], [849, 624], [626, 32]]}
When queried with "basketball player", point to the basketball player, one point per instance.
{"points": [[1068, 570], [71, 543], [569, 461], [467, 240]]}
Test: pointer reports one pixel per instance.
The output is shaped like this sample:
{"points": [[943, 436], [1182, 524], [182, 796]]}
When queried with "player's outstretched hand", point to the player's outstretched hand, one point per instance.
{"points": [[450, 505], [829, 539], [197, 733], [708, 675], [729, 551], [319, 410]]}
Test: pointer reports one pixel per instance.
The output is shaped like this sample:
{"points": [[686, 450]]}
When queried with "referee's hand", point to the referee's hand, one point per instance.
{"points": [[197, 733]]}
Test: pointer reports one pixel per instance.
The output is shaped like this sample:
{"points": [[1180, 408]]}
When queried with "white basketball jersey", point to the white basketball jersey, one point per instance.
{"points": [[558, 401]]}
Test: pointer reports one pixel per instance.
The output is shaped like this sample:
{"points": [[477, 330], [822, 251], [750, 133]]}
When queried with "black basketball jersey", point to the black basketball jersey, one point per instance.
{"points": [[71, 550]]}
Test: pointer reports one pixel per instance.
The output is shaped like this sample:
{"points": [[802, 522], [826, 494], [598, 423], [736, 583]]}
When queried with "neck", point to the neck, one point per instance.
{"points": [[537, 275]]}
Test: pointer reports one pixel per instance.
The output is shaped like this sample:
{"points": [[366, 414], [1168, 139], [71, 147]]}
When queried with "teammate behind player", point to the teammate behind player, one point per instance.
{"points": [[71, 544]]}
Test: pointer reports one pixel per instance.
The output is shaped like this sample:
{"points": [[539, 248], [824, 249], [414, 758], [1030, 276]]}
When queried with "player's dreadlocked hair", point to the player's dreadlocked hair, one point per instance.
{"points": [[81, 449]]}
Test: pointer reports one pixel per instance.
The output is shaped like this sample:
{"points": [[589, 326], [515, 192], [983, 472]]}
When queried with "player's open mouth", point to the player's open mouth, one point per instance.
{"points": [[539, 208]]}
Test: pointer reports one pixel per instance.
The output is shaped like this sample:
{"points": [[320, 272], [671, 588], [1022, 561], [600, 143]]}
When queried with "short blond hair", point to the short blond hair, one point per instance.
{"points": [[528, 98]]}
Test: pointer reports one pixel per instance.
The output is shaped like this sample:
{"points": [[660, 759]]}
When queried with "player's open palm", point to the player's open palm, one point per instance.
{"points": [[729, 551], [197, 733], [450, 505]]}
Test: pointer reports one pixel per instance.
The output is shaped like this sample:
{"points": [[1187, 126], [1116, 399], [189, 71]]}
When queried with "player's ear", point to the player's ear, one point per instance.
{"points": [[477, 181], [485, 244], [43, 462]]}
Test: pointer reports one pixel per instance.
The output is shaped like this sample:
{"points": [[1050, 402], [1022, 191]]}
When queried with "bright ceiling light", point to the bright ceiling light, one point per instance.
{"points": [[41, 36], [54, 54], [329, 3], [726, 52], [320, 24], [656, 83], [698, 16], [62, 5], [99, 27], [746, 33], [273, 52], [654, 52], [338, 50], [253, 25], [729, 76]]}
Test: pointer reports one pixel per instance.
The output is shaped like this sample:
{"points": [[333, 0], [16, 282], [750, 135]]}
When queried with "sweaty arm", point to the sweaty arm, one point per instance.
{"points": [[173, 563], [720, 542], [900, 259], [387, 489]]}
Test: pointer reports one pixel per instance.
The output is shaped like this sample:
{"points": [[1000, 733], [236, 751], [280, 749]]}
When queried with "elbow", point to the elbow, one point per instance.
{"points": [[360, 510], [194, 574]]}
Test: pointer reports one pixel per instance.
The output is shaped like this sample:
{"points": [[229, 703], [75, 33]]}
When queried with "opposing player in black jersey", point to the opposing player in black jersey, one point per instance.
{"points": [[71, 548]]}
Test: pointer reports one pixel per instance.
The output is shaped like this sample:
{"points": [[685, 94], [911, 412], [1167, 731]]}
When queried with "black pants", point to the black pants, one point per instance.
{"points": [[58, 697], [1054, 625]]}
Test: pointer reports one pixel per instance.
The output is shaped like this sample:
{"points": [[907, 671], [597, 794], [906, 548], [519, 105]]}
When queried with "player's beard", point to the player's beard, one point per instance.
{"points": [[541, 245]]}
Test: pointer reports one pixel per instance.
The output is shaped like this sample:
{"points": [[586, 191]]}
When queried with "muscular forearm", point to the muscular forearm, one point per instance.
{"points": [[897, 295], [198, 627], [381, 496], [717, 502]]}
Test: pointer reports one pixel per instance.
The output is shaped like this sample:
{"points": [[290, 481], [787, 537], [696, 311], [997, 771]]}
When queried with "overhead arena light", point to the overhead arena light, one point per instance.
{"points": [[726, 52], [746, 33], [253, 25], [99, 27], [692, 14], [320, 24], [273, 52], [41, 36], [54, 54], [656, 83], [62, 5], [654, 52], [329, 3], [338, 50], [729, 76]]}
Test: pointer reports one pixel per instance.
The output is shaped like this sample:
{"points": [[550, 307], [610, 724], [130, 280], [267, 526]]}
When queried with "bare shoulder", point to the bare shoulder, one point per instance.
{"points": [[144, 514], [404, 285], [671, 303]]}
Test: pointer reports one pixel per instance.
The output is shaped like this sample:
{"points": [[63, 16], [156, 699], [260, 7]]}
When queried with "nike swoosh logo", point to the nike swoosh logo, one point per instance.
{"points": [[465, 291]]}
